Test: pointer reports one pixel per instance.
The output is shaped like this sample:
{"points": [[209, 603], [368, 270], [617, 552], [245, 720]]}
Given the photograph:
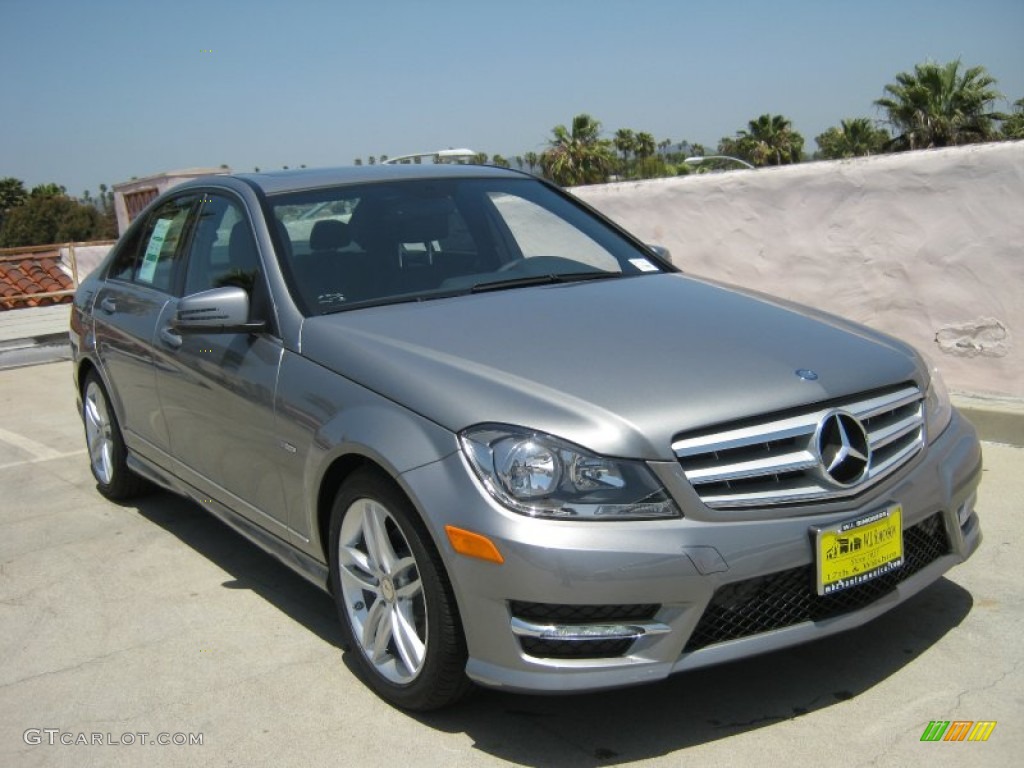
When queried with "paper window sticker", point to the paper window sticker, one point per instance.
{"points": [[643, 265], [152, 256]]}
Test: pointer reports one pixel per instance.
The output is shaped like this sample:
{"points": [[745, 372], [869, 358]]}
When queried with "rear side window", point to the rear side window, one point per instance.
{"points": [[151, 253], [123, 266], [161, 244]]}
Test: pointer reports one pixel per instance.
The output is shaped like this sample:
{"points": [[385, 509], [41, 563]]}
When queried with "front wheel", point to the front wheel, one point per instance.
{"points": [[394, 599]]}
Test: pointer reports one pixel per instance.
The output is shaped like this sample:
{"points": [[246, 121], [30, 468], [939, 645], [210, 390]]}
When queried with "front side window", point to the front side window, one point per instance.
{"points": [[350, 246], [223, 250]]}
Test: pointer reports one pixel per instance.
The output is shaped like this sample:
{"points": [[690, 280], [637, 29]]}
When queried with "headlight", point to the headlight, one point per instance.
{"points": [[938, 409], [542, 476]]}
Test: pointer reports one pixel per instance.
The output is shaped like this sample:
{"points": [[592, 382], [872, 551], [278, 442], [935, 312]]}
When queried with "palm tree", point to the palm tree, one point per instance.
{"points": [[1013, 124], [768, 140], [645, 145], [579, 155], [854, 137], [532, 160], [937, 105], [625, 142]]}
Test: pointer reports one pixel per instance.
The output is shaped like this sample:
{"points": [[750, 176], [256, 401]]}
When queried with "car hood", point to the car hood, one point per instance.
{"points": [[620, 366]]}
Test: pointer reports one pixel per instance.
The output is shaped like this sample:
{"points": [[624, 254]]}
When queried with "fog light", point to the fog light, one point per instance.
{"points": [[966, 509]]}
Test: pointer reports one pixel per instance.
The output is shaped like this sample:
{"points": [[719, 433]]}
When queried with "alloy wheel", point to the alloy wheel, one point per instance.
{"points": [[382, 591], [99, 433]]}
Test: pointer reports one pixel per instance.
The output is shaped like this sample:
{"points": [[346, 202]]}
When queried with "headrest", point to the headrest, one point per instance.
{"points": [[329, 235], [401, 220], [242, 247]]}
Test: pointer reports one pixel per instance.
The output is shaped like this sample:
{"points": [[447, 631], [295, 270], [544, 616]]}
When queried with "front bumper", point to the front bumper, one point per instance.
{"points": [[591, 583]]}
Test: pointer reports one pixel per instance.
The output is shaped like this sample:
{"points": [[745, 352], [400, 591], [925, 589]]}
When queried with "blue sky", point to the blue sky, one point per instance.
{"points": [[102, 90]]}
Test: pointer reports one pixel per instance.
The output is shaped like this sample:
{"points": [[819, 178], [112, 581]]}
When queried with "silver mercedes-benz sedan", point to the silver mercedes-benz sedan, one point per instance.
{"points": [[517, 445]]}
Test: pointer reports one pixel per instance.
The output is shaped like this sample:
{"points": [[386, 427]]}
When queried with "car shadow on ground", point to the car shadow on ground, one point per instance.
{"points": [[250, 567], [614, 726]]}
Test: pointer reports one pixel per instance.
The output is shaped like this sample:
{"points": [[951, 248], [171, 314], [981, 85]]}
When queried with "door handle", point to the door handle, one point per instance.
{"points": [[108, 305], [170, 338]]}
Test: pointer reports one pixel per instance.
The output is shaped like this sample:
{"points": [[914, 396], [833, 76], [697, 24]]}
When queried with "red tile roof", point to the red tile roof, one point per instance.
{"points": [[35, 273]]}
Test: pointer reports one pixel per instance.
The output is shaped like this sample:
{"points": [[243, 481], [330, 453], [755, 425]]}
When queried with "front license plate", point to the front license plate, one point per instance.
{"points": [[859, 550]]}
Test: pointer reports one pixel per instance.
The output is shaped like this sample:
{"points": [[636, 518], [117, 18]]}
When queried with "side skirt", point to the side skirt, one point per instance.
{"points": [[309, 568]]}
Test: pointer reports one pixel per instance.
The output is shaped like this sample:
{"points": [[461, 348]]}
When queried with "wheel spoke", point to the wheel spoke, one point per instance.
{"points": [[107, 460], [98, 434], [410, 591], [352, 556], [377, 632], [360, 579], [376, 534], [95, 451], [410, 648]]}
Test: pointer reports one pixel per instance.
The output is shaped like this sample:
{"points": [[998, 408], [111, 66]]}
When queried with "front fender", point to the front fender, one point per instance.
{"points": [[328, 419]]}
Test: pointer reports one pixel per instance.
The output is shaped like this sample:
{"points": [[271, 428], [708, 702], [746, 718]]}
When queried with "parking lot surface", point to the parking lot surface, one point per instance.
{"points": [[122, 626]]}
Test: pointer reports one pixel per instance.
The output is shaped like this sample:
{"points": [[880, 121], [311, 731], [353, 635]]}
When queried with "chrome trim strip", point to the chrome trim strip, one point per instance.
{"points": [[789, 462], [584, 632]]}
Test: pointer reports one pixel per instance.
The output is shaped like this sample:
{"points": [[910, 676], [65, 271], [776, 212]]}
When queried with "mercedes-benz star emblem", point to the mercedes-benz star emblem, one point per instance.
{"points": [[843, 448]]}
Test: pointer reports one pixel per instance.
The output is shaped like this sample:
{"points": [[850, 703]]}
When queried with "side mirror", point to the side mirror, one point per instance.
{"points": [[218, 310], [661, 251]]}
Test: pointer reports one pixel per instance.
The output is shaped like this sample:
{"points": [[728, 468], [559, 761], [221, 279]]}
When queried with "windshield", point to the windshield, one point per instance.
{"points": [[349, 246]]}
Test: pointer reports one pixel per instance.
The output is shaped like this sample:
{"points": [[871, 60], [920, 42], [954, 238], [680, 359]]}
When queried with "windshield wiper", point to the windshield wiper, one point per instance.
{"points": [[525, 282]]}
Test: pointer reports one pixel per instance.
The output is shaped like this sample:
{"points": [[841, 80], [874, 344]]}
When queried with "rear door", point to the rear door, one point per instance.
{"points": [[139, 285]]}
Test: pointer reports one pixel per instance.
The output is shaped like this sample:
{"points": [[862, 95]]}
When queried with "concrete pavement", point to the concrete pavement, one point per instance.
{"points": [[153, 618]]}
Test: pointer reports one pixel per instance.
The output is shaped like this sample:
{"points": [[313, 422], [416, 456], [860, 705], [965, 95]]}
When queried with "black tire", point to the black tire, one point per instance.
{"points": [[378, 580], [107, 452]]}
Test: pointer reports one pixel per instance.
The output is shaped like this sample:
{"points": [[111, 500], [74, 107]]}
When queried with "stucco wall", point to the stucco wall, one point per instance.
{"points": [[927, 246]]}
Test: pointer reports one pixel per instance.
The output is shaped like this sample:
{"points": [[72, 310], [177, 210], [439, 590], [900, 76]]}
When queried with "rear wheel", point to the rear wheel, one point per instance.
{"points": [[394, 599], [107, 453]]}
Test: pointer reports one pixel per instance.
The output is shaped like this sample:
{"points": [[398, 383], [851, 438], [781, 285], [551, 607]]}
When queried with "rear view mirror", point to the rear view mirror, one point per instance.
{"points": [[219, 310]]}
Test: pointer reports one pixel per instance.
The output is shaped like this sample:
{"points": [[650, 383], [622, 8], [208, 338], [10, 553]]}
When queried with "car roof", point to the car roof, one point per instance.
{"points": [[276, 182]]}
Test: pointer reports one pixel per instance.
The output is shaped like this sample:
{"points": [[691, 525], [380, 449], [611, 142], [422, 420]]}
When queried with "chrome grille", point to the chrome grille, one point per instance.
{"points": [[778, 461]]}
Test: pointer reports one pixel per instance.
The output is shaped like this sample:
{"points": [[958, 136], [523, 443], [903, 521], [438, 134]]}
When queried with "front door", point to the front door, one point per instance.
{"points": [[217, 390]]}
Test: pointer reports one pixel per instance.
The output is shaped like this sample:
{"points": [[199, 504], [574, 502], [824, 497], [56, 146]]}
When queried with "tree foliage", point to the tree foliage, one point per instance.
{"points": [[625, 142], [47, 215], [646, 145], [854, 137], [768, 140], [578, 155], [1013, 125], [938, 105], [12, 194]]}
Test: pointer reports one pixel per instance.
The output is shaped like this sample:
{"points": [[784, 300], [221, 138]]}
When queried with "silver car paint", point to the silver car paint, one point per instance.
{"points": [[566, 562], [647, 357], [662, 354]]}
